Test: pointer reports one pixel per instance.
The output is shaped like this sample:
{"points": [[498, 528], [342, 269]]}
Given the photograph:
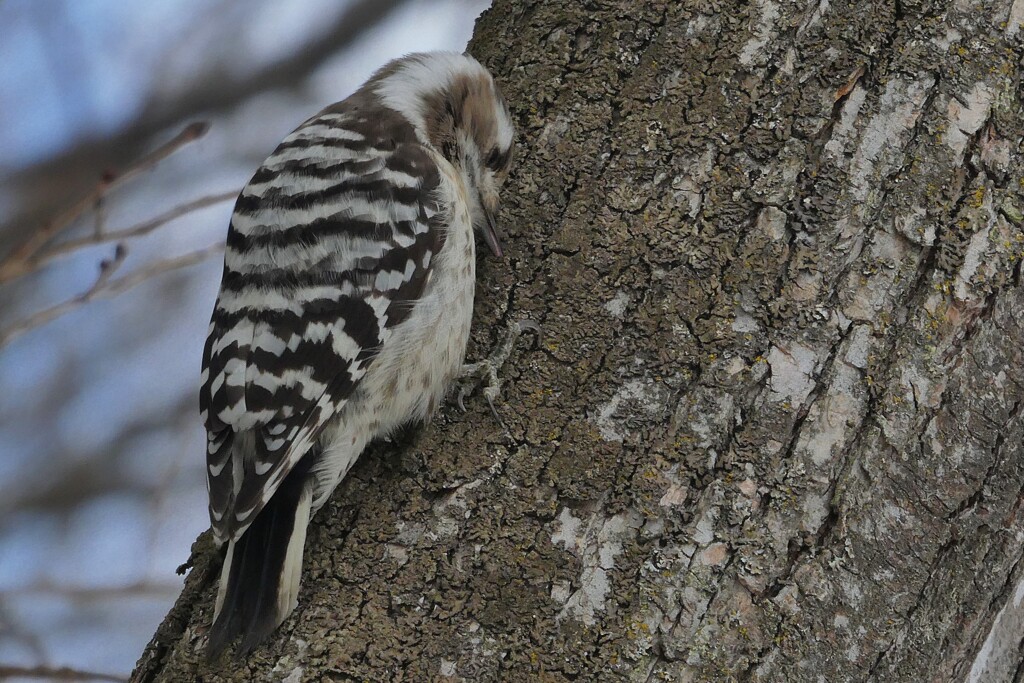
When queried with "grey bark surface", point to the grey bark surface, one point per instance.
{"points": [[773, 431]]}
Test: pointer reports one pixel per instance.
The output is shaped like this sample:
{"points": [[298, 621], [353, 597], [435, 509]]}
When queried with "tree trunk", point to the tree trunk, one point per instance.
{"points": [[773, 430]]}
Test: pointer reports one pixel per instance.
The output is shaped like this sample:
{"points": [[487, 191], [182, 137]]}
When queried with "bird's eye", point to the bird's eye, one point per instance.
{"points": [[497, 160], [492, 159]]}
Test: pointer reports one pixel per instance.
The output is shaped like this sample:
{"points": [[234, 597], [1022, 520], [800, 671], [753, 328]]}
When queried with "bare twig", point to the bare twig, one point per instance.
{"points": [[99, 216], [139, 230], [86, 594], [106, 287], [58, 673], [78, 480], [19, 261]]}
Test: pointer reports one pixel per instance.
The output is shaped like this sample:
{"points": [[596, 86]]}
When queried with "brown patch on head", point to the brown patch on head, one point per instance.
{"points": [[460, 108], [466, 105]]}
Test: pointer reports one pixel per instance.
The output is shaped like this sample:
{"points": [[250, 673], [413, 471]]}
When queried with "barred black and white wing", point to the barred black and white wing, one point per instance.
{"points": [[330, 245]]}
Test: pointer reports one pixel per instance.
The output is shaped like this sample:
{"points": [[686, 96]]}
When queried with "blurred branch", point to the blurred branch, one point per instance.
{"points": [[106, 287], [75, 478], [84, 594], [30, 256], [216, 90], [102, 236], [21, 260], [61, 673], [223, 89]]}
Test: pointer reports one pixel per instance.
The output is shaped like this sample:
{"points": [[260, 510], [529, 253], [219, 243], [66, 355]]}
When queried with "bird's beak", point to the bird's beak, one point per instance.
{"points": [[491, 229]]}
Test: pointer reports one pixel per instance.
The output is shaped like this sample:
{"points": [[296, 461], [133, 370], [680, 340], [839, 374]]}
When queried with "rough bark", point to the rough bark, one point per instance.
{"points": [[773, 432]]}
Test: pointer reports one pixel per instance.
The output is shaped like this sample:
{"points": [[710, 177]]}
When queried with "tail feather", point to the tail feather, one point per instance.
{"points": [[259, 583]]}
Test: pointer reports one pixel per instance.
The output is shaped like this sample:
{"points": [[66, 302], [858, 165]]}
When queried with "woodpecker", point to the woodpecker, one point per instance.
{"points": [[344, 309]]}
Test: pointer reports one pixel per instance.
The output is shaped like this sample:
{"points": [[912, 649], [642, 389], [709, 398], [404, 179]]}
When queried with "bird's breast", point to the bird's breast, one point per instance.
{"points": [[425, 352]]}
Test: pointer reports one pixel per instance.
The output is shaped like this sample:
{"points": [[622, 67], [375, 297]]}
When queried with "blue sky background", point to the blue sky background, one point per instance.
{"points": [[107, 393]]}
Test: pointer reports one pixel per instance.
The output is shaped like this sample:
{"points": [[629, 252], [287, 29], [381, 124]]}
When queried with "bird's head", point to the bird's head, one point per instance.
{"points": [[456, 107]]}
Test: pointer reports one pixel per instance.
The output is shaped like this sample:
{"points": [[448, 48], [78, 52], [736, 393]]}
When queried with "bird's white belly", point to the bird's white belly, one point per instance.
{"points": [[410, 376], [408, 379]]}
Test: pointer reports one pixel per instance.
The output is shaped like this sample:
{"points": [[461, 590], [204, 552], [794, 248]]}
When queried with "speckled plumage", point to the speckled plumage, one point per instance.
{"points": [[344, 310]]}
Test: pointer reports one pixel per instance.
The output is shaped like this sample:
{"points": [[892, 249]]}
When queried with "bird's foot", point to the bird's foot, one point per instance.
{"points": [[486, 371]]}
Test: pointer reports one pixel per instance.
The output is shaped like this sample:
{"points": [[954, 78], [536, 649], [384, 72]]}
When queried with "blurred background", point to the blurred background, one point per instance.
{"points": [[102, 327]]}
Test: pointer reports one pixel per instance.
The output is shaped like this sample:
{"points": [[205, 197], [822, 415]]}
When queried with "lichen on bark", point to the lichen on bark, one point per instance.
{"points": [[773, 431]]}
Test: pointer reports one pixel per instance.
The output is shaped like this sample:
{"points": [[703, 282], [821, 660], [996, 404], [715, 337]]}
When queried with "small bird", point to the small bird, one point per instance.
{"points": [[344, 309]]}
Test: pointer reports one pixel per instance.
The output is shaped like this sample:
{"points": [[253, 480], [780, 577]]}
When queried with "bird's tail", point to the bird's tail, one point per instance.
{"points": [[259, 584]]}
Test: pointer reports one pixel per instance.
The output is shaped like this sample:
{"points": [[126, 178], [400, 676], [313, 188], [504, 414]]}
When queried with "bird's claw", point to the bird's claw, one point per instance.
{"points": [[529, 325], [486, 371]]}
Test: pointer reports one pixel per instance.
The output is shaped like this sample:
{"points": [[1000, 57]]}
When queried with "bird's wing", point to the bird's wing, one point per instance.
{"points": [[330, 245]]}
